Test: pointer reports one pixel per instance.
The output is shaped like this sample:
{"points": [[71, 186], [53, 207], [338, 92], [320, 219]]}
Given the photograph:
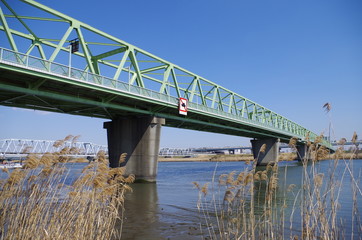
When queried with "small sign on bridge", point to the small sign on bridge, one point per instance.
{"points": [[182, 106]]}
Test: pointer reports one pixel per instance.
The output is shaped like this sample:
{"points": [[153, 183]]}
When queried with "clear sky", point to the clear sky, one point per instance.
{"points": [[289, 56]]}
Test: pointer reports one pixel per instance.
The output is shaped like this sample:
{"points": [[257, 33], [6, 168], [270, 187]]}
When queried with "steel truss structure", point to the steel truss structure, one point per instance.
{"points": [[123, 77], [165, 152], [16, 147]]}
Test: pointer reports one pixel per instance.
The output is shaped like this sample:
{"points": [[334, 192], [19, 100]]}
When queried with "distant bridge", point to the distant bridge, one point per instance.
{"points": [[80, 70], [19, 148], [230, 150]]}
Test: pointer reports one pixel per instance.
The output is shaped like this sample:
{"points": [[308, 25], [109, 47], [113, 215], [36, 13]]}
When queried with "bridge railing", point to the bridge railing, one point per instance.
{"points": [[30, 62], [61, 70]]}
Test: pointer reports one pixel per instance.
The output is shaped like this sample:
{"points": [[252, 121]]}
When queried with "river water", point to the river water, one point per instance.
{"points": [[168, 209]]}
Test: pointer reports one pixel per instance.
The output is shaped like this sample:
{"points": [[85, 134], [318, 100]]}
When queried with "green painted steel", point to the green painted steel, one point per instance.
{"points": [[115, 69]]}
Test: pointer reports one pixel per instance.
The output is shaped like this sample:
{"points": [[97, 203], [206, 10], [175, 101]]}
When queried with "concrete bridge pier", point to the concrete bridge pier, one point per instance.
{"points": [[139, 137], [302, 152], [271, 152]]}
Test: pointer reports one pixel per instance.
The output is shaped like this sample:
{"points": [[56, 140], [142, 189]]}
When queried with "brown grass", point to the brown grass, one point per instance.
{"points": [[237, 213], [35, 203]]}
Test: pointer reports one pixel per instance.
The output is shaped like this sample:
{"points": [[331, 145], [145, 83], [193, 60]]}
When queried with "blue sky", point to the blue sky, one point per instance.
{"points": [[289, 56]]}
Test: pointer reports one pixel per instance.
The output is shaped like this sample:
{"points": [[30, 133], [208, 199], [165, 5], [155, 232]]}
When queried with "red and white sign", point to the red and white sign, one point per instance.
{"points": [[182, 106]]}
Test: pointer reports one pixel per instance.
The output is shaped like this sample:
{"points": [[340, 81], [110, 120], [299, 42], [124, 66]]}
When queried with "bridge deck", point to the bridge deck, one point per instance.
{"points": [[38, 88]]}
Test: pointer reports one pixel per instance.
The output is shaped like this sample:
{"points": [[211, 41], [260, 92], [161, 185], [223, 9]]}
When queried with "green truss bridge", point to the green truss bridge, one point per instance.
{"points": [[53, 62]]}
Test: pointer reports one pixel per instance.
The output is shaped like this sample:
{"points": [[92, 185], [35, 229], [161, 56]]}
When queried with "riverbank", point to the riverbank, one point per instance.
{"points": [[247, 157], [225, 158], [208, 158]]}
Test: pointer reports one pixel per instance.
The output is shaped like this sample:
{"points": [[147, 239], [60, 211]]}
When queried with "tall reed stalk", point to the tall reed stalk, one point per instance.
{"points": [[253, 204], [40, 201]]}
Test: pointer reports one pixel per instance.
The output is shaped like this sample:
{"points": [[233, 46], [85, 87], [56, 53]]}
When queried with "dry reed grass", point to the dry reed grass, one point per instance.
{"points": [[35, 202], [252, 204]]}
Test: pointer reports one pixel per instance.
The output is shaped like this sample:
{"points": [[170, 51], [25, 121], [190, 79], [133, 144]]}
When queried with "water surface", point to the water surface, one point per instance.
{"points": [[167, 209]]}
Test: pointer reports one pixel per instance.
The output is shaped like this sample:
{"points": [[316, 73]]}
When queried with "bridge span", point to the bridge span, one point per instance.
{"points": [[83, 71], [20, 148]]}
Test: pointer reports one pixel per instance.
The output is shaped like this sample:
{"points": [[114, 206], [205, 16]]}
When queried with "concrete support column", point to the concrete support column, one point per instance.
{"points": [[139, 137], [271, 152], [302, 152]]}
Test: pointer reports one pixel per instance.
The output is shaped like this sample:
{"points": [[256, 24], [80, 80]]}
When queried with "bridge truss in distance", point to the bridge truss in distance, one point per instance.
{"points": [[17, 148]]}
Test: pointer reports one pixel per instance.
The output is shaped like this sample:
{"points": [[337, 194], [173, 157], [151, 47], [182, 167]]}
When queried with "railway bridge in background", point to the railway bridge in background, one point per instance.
{"points": [[52, 62], [20, 148]]}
